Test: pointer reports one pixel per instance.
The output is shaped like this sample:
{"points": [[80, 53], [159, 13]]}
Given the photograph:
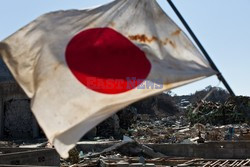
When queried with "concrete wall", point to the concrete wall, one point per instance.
{"points": [[92, 146], [5, 74], [40, 157], [211, 150], [17, 119], [15, 113]]}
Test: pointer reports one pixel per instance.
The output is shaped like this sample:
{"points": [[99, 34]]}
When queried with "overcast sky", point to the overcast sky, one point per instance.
{"points": [[223, 27]]}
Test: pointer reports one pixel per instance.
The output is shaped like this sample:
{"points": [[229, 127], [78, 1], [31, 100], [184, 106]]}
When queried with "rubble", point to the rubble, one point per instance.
{"points": [[235, 110], [129, 152], [135, 138], [203, 126], [158, 132], [214, 162]]}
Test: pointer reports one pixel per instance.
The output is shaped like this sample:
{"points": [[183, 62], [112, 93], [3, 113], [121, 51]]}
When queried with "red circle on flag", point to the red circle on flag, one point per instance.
{"points": [[107, 62]]}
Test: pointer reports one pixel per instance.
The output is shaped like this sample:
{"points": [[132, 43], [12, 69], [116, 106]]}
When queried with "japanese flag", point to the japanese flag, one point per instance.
{"points": [[81, 66]]}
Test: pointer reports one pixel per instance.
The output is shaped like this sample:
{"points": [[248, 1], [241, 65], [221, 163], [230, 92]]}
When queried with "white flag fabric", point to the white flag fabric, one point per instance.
{"points": [[81, 66]]}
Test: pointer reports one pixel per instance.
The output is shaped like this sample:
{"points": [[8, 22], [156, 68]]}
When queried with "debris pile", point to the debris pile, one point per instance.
{"points": [[235, 110], [158, 132], [205, 121], [135, 134], [126, 153]]}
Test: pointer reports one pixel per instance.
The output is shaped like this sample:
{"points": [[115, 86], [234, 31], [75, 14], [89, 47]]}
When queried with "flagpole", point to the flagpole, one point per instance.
{"points": [[212, 64]]}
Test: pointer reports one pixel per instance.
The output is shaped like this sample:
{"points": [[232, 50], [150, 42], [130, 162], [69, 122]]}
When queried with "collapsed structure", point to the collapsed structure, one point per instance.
{"points": [[161, 134], [15, 115]]}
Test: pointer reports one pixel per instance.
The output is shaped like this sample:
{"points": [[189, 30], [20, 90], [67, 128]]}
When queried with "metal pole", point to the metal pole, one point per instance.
{"points": [[219, 75]]}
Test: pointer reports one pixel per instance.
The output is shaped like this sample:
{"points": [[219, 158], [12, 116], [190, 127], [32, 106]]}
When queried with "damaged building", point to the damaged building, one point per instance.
{"points": [[16, 117]]}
